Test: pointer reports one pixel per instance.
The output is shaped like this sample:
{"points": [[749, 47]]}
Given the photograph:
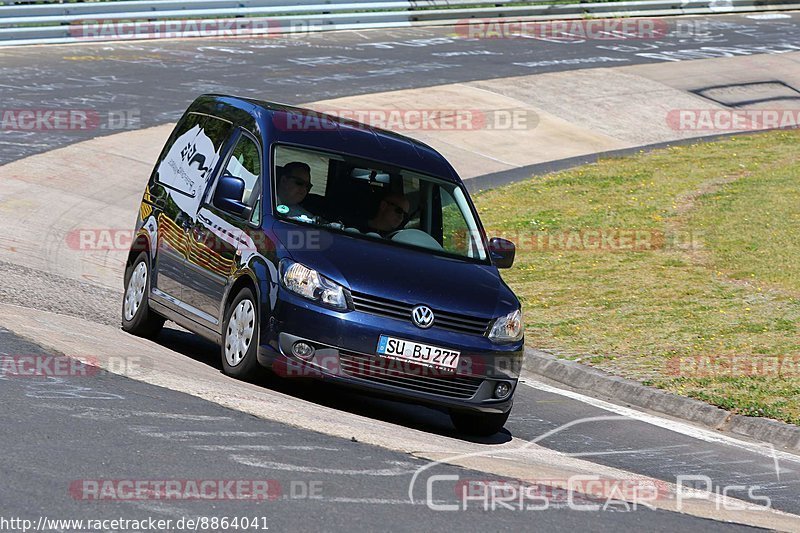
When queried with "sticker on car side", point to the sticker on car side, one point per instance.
{"points": [[187, 167]]}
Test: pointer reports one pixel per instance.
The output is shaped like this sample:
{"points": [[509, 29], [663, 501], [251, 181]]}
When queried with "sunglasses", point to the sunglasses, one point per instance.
{"points": [[397, 209], [300, 182]]}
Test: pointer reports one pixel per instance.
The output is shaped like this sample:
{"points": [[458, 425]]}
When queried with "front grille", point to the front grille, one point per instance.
{"points": [[408, 375], [402, 311]]}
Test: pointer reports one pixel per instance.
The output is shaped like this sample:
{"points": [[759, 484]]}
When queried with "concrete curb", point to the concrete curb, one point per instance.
{"points": [[621, 390]]}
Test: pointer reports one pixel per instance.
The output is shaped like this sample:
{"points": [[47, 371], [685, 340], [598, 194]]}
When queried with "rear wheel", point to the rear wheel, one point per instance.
{"points": [[137, 317], [479, 424], [240, 339]]}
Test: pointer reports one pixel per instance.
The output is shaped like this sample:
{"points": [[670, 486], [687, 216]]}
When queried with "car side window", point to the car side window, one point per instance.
{"points": [[455, 232], [304, 194], [245, 163], [189, 163]]}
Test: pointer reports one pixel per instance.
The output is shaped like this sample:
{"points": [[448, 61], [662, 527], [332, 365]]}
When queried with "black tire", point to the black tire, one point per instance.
{"points": [[143, 321], [246, 367], [478, 424]]}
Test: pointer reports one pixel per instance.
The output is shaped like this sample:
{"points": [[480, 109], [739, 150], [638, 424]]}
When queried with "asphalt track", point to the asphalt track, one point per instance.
{"points": [[139, 84], [59, 437], [44, 439]]}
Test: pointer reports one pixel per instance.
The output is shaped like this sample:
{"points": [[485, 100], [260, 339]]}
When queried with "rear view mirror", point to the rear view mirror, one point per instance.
{"points": [[228, 195], [370, 175], [502, 252]]}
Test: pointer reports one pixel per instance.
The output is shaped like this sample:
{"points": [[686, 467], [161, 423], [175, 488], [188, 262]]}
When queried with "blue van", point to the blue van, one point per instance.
{"points": [[324, 248]]}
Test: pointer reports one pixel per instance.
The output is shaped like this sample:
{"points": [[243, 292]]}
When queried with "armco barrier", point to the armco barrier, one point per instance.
{"points": [[25, 22]]}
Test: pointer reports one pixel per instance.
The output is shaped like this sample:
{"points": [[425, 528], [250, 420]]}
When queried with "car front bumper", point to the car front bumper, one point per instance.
{"points": [[345, 345]]}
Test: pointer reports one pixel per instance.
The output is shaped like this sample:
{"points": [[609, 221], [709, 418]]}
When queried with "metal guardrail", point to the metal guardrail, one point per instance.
{"points": [[23, 22]]}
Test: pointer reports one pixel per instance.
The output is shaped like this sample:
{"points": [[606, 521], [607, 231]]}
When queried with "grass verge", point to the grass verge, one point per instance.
{"points": [[678, 268]]}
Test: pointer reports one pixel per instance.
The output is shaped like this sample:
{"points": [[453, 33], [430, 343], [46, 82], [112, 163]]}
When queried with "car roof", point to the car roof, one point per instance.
{"points": [[308, 128]]}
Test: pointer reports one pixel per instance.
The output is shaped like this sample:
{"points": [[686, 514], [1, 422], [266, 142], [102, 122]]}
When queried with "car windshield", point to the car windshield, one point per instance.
{"points": [[370, 200]]}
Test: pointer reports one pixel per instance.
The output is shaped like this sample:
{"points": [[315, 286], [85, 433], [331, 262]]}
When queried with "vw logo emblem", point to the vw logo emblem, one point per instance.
{"points": [[422, 316]]}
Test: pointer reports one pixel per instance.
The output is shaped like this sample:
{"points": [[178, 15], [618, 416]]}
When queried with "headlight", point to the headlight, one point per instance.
{"points": [[311, 284], [508, 328]]}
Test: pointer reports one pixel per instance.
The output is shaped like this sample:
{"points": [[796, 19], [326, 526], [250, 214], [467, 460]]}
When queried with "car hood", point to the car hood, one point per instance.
{"points": [[399, 273]]}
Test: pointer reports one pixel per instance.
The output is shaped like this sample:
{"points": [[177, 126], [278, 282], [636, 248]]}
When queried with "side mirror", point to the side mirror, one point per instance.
{"points": [[228, 195], [502, 252]]}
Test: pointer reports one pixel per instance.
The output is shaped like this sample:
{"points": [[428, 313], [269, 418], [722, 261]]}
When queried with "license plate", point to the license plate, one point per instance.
{"points": [[423, 354]]}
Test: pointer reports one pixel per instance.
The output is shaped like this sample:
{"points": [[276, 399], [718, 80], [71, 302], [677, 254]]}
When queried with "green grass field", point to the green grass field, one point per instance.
{"points": [[696, 288]]}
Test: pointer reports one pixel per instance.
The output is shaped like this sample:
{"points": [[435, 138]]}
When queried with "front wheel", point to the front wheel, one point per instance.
{"points": [[137, 317], [240, 340], [479, 424]]}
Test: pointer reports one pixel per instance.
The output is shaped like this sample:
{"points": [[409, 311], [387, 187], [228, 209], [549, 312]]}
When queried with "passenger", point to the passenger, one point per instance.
{"points": [[294, 183], [393, 211]]}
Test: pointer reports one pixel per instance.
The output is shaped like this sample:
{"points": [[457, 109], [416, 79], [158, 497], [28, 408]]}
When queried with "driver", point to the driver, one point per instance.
{"points": [[393, 210], [294, 183]]}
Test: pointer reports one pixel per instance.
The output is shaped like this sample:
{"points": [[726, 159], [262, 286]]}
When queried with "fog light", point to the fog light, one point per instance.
{"points": [[502, 390], [303, 350]]}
